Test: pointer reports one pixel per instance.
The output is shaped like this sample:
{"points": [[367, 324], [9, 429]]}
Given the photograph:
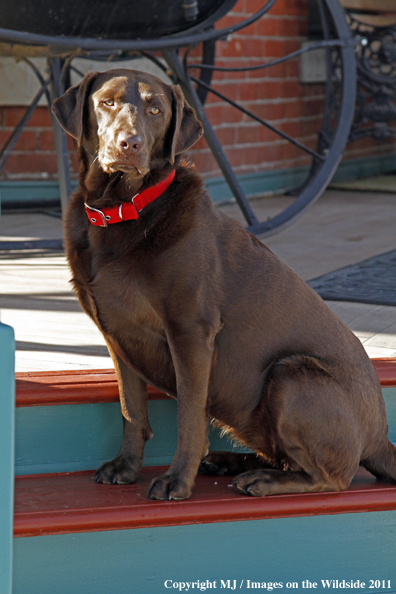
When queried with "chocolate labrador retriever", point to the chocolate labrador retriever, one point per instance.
{"points": [[191, 303]]}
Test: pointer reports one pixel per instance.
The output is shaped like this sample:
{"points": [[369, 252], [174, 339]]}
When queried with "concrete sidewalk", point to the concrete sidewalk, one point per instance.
{"points": [[53, 333]]}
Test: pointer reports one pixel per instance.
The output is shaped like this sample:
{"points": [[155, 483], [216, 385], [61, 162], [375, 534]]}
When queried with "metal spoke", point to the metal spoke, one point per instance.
{"points": [[314, 46], [261, 121]]}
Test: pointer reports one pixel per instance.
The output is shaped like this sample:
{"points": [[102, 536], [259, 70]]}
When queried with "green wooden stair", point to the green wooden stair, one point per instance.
{"points": [[74, 536]]}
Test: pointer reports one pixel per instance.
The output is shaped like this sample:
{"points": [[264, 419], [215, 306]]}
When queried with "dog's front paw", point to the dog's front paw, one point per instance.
{"points": [[119, 471], [169, 487]]}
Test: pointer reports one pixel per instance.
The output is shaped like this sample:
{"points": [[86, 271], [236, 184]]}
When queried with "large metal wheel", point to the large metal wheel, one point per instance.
{"points": [[338, 104], [338, 111]]}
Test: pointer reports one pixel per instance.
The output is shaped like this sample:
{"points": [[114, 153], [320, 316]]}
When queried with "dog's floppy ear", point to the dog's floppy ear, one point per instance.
{"points": [[185, 129], [69, 109]]}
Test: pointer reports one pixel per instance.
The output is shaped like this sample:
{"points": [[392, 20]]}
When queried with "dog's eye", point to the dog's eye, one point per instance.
{"points": [[109, 103], [154, 110]]}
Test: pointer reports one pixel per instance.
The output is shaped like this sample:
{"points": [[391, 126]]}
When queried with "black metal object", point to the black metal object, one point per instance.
{"points": [[116, 20], [375, 112], [376, 90], [80, 42]]}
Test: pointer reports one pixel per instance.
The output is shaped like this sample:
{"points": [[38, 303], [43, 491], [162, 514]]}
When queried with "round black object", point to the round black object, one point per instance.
{"points": [[101, 19]]}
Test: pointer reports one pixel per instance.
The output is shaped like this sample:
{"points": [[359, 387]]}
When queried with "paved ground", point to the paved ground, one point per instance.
{"points": [[53, 333]]}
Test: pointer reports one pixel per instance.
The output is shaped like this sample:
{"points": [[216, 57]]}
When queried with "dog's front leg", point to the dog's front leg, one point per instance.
{"points": [[192, 353], [133, 397]]}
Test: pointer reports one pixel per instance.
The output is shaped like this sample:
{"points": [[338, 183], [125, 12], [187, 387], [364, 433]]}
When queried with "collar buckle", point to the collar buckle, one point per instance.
{"points": [[93, 220], [133, 202]]}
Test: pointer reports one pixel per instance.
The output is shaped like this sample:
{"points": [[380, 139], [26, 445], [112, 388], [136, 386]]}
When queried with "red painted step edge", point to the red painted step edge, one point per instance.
{"points": [[73, 502], [86, 386], [386, 370], [43, 388]]}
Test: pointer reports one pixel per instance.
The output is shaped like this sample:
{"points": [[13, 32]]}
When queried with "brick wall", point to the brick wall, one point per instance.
{"points": [[33, 157], [274, 94]]}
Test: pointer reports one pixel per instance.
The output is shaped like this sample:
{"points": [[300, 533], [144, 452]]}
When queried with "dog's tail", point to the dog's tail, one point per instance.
{"points": [[382, 464]]}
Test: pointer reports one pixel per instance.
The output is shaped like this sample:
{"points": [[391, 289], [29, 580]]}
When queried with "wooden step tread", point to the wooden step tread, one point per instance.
{"points": [[73, 502], [44, 388], [87, 386]]}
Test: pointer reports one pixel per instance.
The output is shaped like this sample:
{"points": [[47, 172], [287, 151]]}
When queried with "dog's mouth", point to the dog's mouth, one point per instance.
{"points": [[135, 166], [116, 166]]}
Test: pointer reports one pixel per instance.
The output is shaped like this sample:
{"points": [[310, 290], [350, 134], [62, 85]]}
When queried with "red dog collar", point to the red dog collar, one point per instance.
{"points": [[128, 210]]}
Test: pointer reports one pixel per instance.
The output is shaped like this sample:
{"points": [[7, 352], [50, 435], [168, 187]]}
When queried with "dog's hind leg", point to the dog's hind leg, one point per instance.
{"points": [[382, 464], [315, 431], [133, 396]]}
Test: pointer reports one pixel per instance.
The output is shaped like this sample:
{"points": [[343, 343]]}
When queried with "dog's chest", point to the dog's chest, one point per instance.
{"points": [[132, 326]]}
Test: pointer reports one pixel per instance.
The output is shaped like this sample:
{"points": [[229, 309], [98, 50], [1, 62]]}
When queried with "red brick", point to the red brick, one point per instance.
{"points": [[253, 134], [26, 142], [304, 107], [288, 7], [289, 151], [31, 163], [219, 114], [293, 27], [281, 27], [238, 62], [226, 136], [201, 144], [301, 128], [232, 19], [255, 5], [204, 162], [276, 48], [279, 89], [254, 47], [47, 141], [267, 26], [278, 71], [230, 90], [40, 118], [292, 68], [229, 76], [250, 91]]}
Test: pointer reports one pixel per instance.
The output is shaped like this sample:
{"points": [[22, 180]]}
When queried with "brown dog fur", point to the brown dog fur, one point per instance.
{"points": [[191, 303]]}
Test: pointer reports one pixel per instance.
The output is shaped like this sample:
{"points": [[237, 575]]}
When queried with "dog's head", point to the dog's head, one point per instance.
{"points": [[129, 120]]}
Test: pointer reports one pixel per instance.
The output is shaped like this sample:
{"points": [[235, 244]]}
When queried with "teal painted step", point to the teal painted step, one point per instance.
{"points": [[68, 438], [13, 193], [155, 561], [350, 546], [7, 408]]}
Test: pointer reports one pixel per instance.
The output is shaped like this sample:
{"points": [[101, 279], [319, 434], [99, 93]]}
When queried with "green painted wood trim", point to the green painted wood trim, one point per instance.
{"points": [[68, 438], [14, 192], [258, 184], [7, 408], [390, 403], [285, 550], [253, 184]]}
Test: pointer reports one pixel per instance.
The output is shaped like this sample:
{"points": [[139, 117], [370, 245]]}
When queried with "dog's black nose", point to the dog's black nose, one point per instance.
{"points": [[130, 144]]}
